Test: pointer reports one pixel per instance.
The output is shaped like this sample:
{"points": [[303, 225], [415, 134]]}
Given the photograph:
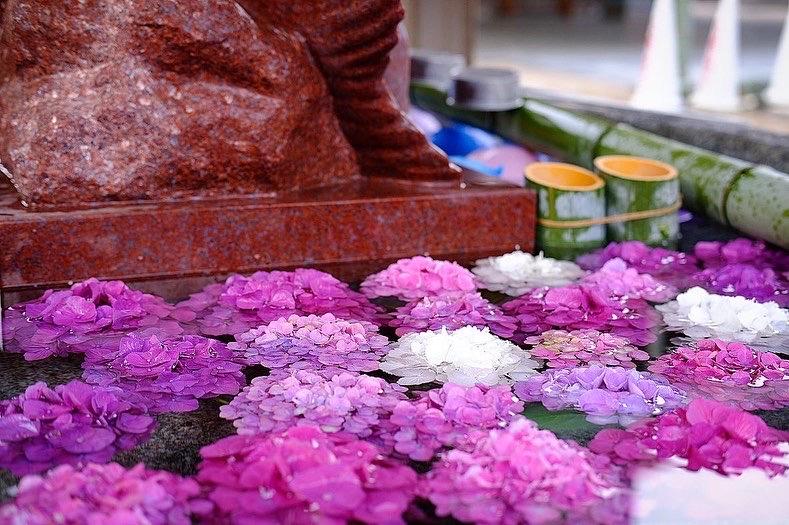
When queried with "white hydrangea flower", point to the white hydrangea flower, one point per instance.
{"points": [[467, 356], [699, 314], [517, 272]]}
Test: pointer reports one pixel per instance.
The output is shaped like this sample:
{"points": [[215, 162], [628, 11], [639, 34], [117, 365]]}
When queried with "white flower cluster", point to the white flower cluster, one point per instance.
{"points": [[517, 272], [467, 356], [699, 314]]}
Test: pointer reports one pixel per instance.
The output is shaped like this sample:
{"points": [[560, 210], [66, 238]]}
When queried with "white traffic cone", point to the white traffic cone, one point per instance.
{"points": [[659, 85], [777, 93], [719, 85]]}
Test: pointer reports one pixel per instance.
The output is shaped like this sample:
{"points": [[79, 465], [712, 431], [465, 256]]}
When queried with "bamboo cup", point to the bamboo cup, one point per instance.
{"points": [[567, 194]]}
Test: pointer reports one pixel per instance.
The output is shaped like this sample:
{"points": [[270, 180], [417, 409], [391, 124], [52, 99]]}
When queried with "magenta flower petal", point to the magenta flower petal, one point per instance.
{"points": [[243, 303], [303, 476], [84, 423], [106, 494], [418, 277], [701, 434]]}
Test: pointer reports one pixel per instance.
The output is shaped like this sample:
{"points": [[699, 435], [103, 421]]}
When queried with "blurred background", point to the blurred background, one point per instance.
{"points": [[592, 49]]}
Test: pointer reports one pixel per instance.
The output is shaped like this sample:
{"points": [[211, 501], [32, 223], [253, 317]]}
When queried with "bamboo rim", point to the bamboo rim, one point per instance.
{"points": [[562, 176], [635, 168]]}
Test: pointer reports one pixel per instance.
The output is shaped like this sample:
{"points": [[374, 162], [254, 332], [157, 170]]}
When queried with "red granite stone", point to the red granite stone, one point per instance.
{"points": [[351, 227], [179, 99]]}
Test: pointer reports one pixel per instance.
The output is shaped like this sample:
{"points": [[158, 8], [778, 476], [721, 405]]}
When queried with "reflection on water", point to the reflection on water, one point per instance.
{"points": [[669, 496]]}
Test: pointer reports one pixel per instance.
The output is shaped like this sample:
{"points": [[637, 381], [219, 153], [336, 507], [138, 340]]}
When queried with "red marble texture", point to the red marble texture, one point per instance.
{"points": [[347, 227], [176, 99]]}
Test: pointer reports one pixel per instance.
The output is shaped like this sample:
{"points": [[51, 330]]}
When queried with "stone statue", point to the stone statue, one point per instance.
{"points": [[127, 100]]}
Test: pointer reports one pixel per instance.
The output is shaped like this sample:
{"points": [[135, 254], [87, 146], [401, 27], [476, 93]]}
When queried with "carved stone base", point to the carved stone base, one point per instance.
{"points": [[346, 227]]}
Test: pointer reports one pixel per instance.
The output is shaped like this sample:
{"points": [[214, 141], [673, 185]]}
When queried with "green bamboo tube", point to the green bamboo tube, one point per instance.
{"points": [[704, 177], [759, 199], [433, 99], [564, 134], [636, 184], [567, 193], [707, 179]]}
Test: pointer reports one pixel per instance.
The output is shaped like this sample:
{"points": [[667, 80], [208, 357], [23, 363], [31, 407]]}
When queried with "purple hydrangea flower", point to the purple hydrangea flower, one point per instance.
{"points": [[304, 476], [714, 254], [243, 303], [707, 434], [520, 474], [451, 416], [418, 277], [671, 267], [606, 394], [434, 313], [90, 313], [728, 371], [617, 280], [73, 423], [747, 280], [324, 344], [169, 374], [111, 494], [564, 349], [347, 404], [581, 307]]}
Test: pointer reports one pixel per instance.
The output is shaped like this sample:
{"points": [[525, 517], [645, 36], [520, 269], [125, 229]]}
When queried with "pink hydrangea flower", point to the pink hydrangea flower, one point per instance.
{"points": [[729, 371], [301, 477], [419, 277], [90, 313], [707, 435], [605, 394], [105, 494], [740, 251], [73, 423], [324, 344], [520, 474], [451, 416], [348, 404], [581, 307], [752, 282], [617, 280], [243, 303], [669, 266], [169, 374], [564, 349], [434, 313]]}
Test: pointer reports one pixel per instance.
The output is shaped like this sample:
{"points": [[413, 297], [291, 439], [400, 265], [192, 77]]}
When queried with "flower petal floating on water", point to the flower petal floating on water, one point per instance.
{"points": [[72, 424], [105, 494], [467, 356], [669, 266], [517, 272], [700, 315], [169, 374], [617, 280], [324, 344], [751, 282], [243, 303], [564, 349], [451, 416], [606, 394], [348, 404], [728, 371], [524, 475], [707, 435], [304, 476], [419, 277], [89, 313], [581, 307], [740, 251], [434, 313]]}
